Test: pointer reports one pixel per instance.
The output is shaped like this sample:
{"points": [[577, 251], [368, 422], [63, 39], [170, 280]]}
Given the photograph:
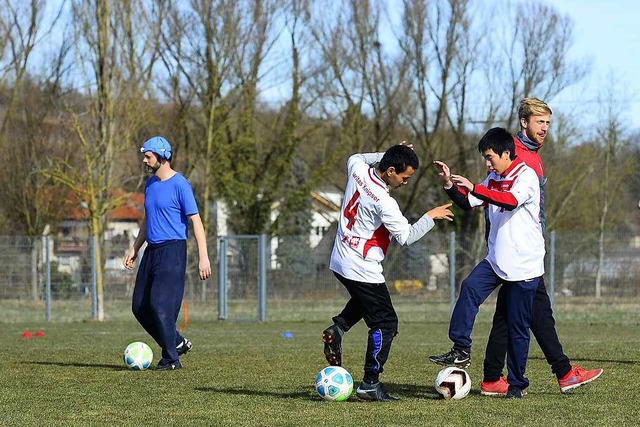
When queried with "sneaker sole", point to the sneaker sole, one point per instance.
{"points": [[363, 396], [492, 393], [333, 357], [169, 367], [368, 398], [498, 394], [571, 387]]}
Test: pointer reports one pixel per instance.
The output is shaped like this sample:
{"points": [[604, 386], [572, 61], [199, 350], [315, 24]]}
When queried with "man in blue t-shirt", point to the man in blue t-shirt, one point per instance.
{"points": [[169, 204]]}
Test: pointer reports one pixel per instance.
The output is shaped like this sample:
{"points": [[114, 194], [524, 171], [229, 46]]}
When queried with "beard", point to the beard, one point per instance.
{"points": [[153, 169], [534, 137]]}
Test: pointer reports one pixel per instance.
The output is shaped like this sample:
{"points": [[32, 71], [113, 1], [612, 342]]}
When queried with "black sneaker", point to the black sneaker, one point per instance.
{"points": [[514, 392], [459, 358], [169, 366], [332, 339], [374, 392], [184, 347]]}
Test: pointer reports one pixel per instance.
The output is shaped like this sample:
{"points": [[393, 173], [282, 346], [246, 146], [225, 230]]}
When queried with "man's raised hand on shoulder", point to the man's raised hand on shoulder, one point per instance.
{"points": [[444, 173], [408, 144]]}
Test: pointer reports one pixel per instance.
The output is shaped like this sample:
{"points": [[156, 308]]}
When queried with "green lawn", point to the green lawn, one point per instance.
{"points": [[247, 374]]}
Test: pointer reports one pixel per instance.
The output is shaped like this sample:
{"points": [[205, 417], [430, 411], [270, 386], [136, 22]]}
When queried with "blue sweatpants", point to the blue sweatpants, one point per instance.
{"points": [[474, 291], [158, 293]]}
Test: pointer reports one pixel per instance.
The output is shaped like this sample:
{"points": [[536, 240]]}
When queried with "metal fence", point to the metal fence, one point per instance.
{"points": [[53, 278]]}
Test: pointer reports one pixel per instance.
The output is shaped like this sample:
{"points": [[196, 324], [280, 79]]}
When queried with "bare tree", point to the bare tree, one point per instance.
{"points": [[201, 44], [114, 63], [442, 45], [218, 67], [531, 59], [615, 169], [361, 83], [19, 26], [28, 133], [439, 42], [568, 168]]}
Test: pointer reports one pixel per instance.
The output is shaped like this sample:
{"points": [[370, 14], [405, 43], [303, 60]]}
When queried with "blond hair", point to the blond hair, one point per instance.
{"points": [[532, 107]]}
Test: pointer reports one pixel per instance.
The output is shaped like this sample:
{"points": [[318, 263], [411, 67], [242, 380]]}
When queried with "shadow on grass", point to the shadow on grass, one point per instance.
{"points": [[406, 391], [412, 391], [82, 365], [589, 359], [251, 392]]}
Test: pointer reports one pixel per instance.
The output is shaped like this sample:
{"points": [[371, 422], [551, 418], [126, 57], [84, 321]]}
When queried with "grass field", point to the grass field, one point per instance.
{"points": [[247, 374]]}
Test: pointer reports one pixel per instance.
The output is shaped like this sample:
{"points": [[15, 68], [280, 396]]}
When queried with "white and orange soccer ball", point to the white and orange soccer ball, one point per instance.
{"points": [[453, 383]]}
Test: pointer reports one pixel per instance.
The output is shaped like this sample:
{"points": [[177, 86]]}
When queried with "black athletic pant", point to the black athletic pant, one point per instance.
{"points": [[371, 302], [543, 328]]}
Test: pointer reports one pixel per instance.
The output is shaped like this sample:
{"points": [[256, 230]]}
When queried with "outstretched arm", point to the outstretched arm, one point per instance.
{"points": [[426, 222], [503, 199]]}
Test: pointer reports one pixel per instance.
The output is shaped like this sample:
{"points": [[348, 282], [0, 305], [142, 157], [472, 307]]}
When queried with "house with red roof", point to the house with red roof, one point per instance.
{"points": [[72, 242]]}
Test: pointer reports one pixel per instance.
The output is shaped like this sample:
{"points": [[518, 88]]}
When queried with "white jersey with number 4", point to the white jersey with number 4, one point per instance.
{"points": [[369, 219]]}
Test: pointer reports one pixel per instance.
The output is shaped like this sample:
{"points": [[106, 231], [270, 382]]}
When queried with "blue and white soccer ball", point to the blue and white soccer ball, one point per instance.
{"points": [[453, 383], [137, 356], [334, 383]]}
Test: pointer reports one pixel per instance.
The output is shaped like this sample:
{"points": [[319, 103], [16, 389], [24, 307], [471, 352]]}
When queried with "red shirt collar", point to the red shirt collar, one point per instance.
{"points": [[512, 166]]}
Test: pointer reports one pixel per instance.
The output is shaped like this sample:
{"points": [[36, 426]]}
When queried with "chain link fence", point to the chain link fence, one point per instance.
{"points": [[53, 278]]}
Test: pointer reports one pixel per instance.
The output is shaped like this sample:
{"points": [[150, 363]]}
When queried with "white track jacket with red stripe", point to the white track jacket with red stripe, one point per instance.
{"points": [[516, 244]]}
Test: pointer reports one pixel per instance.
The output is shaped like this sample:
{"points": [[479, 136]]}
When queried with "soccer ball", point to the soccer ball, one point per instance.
{"points": [[453, 383], [137, 356], [334, 383]]}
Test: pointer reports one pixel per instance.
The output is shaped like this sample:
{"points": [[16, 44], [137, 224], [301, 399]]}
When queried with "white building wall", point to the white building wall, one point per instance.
{"points": [[321, 220]]}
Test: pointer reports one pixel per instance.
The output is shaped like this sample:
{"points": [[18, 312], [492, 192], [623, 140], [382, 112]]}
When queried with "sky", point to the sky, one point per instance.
{"points": [[608, 33]]}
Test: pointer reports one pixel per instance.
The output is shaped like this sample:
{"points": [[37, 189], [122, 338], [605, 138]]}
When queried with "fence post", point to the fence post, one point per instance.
{"points": [[94, 280], [47, 279], [35, 254], [552, 266], [222, 279], [452, 270], [262, 277]]}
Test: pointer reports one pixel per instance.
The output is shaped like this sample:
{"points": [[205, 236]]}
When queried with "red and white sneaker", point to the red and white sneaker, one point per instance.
{"points": [[494, 388], [577, 377]]}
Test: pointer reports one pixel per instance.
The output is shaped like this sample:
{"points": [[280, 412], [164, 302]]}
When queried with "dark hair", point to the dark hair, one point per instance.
{"points": [[400, 157], [499, 140]]}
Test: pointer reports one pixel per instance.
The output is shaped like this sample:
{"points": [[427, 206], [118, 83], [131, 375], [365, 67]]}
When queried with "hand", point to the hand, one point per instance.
{"points": [[463, 182], [129, 259], [407, 144], [444, 173], [204, 268], [441, 212]]}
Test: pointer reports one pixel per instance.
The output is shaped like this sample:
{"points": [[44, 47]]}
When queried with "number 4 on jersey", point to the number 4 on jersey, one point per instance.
{"points": [[351, 210]]}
